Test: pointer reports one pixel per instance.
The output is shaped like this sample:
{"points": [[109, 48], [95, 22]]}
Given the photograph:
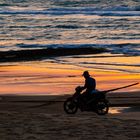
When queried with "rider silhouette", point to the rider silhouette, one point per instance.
{"points": [[90, 83], [90, 86]]}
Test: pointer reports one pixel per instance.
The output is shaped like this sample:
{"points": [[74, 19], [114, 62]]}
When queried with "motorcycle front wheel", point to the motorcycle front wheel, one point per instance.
{"points": [[102, 107], [70, 106]]}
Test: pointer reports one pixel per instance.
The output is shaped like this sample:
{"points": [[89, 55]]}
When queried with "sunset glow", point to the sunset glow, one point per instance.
{"points": [[31, 79]]}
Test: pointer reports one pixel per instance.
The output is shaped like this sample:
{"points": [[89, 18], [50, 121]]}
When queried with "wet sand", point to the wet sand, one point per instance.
{"points": [[51, 78]]}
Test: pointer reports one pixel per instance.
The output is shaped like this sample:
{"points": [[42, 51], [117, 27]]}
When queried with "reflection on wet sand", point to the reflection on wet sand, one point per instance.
{"points": [[117, 110], [53, 78]]}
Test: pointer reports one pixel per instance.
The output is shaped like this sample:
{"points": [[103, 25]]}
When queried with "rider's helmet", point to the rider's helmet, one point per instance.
{"points": [[86, 73]]}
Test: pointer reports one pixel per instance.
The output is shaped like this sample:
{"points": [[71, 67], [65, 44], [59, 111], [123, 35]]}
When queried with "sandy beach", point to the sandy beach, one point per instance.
{"points": [[32, 96], [31, 105], [44, 120]]}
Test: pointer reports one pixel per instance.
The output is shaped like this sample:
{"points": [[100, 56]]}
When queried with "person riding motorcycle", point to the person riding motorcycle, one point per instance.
{"points": [[89, 100], [90, 83], [90, 87]]}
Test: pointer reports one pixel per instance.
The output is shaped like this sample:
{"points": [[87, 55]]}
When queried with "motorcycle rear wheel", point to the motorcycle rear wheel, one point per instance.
{"points": [[102, 107], [70, 106]]}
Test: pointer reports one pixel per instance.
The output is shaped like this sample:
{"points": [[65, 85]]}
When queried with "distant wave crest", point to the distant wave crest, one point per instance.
{"points": [[109, 11]]}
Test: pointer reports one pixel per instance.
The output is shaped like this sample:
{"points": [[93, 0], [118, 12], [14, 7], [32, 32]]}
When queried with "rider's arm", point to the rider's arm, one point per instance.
{"points": [[85, 86]]}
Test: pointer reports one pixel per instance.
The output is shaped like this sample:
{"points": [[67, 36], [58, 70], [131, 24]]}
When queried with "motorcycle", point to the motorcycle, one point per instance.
{"points": [[97, 103]]}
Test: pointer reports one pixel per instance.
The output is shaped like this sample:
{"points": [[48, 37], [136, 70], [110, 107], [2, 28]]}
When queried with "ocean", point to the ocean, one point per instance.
{"points": [[112, 27]]}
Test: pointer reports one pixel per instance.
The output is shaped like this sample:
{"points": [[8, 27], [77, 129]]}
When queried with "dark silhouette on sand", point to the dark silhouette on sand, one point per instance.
{"points": [[90, 84], [90, 100]]}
